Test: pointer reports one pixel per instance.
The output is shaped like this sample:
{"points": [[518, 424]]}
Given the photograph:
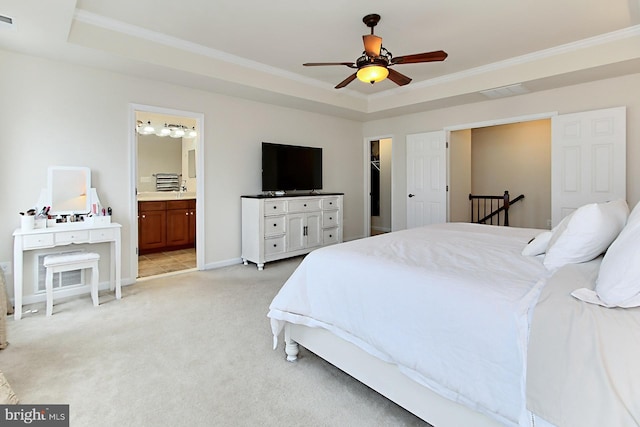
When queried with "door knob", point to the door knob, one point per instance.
{"points": [[411, 195]]}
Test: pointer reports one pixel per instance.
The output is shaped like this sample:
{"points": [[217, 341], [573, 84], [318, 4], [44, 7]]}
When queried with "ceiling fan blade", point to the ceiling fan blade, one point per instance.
{"points": [[398, 78], [320, 64], [437, 55], [346, 81], [372, 45]]}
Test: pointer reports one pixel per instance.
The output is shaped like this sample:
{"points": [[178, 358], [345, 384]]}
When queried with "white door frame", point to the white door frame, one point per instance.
{"points": [[503, 121], [367, 181], [133, 174]]}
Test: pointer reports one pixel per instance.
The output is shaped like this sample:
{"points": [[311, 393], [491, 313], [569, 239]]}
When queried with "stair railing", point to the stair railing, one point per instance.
{"points": [[488, 208]]}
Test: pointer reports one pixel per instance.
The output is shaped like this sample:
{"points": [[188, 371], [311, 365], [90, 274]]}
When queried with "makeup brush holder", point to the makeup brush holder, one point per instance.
{"points": [[27, 222]]}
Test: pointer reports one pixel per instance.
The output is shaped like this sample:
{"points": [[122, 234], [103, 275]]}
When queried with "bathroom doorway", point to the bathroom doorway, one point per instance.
{"points": [[168, 202]]}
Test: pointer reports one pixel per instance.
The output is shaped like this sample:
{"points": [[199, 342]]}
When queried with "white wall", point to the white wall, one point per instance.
{"points": [[54, 113], [621, 91]]}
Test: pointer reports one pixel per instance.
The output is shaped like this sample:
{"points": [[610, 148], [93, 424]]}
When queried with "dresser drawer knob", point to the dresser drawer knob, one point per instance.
{"points": [[275, 225], [275, 246]]}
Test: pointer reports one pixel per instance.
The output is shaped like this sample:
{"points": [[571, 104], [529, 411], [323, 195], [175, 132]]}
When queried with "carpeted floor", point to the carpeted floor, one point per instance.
{"points": [[188, 350]]}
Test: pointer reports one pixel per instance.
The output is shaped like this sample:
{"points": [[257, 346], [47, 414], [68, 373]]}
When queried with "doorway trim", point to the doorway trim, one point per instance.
{"points": [[502, 121], [133, 174], [367, 180]]}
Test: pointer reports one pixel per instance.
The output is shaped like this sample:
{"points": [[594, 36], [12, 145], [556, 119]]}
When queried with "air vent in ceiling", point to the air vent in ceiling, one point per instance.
{"points": [[7, 23], [504, 91]]}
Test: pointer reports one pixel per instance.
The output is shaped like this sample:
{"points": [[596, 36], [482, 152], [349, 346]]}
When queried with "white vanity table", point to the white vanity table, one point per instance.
{"points": [[68, 193], [62, 235]]}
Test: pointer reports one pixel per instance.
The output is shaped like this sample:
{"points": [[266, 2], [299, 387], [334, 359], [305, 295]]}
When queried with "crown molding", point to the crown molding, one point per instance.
{"points": [[198, 49], [613, 36]]}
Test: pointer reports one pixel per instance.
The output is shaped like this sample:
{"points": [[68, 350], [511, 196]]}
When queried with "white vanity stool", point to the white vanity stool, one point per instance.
{"points": [[70, 262]]}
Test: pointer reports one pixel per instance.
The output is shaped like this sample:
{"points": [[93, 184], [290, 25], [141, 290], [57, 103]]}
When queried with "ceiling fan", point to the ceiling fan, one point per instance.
{"points": [[375, 62]]}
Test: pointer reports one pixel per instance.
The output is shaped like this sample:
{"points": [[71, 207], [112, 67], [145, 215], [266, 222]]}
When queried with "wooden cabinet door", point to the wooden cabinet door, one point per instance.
{"points": [[151, 230], [192, 223], [178, 226]]}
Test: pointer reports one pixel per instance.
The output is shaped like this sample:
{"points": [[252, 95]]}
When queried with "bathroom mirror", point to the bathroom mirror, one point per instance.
{"points": [[191, 163], [68, 190]]}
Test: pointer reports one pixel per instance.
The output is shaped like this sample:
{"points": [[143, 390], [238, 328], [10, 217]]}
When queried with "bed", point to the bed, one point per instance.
{"points": [[438, 318]]}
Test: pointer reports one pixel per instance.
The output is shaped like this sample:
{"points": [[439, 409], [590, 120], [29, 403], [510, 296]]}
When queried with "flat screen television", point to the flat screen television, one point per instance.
{"points": [[291, 167]]}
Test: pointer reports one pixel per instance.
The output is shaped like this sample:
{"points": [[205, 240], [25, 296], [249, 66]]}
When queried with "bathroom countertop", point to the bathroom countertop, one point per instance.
{"points": [[148, 196]]}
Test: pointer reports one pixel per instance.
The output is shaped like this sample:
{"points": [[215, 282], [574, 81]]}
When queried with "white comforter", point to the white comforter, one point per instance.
{"points": [[584, 359], [449, 304]]}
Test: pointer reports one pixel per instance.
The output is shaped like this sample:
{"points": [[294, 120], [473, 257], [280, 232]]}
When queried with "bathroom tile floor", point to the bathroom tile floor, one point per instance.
{"points": [[166, 262]]}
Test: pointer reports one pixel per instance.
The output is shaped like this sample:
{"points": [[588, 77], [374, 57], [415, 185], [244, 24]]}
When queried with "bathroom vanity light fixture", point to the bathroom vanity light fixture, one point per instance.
{"points": [[169, 129], [145, 128]]}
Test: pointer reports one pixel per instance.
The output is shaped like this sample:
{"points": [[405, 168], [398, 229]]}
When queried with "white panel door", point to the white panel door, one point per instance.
{"points": [[426, 179], [588, 159]]}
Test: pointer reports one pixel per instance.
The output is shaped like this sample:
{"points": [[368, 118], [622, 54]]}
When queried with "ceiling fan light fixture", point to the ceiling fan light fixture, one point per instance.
{"points": [[372, 73], [373, 65]]}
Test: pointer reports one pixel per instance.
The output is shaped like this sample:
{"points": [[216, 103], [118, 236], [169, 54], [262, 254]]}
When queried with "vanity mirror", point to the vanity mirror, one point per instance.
{"points": [[68, 190]]}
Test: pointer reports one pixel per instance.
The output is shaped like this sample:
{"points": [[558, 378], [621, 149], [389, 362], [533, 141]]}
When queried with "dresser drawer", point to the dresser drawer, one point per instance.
{"points": [[152, 206], [274, 245], [329, 219], [304, 205], [330, 236], [178, 204], [274, 225], [329, 203], [76, 236], [275, 207], [35, 241], [102, 235]]}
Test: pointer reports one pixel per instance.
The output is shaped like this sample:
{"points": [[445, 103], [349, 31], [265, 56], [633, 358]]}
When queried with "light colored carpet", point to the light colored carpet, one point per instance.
{"points": [[192, 349]]}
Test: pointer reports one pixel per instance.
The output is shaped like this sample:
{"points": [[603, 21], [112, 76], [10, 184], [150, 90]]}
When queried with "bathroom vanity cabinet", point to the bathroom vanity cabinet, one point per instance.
{"points": [[166, 225]]}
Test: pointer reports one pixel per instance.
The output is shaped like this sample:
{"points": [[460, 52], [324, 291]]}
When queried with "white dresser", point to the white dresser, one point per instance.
{"points": [[285, 226]]}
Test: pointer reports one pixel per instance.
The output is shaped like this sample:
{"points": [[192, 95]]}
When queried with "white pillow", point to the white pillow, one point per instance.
{"points": [[618, 283], [634, 216], [586, 233], [538, 245]]}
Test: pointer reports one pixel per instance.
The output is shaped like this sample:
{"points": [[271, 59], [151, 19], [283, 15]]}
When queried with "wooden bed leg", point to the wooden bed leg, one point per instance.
{"points": [[290, 346]]}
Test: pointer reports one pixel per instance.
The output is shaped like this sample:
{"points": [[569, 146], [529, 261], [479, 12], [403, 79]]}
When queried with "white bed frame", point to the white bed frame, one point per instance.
{"points": [[383, 377]]}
